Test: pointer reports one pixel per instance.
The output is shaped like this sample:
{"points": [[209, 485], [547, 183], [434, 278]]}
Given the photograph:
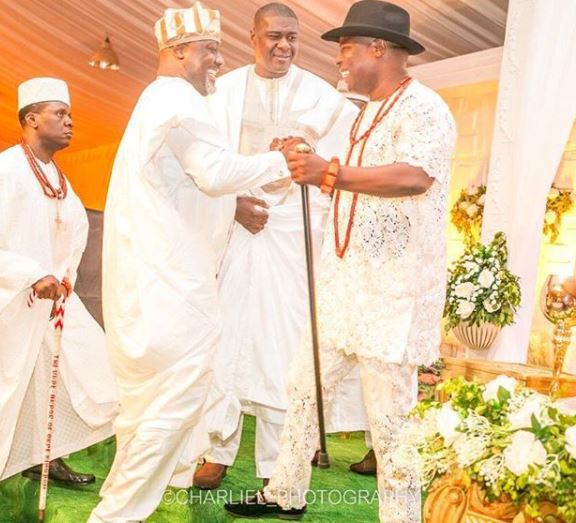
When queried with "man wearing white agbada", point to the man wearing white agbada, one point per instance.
{"points": [[263, 275], [170, 204], [43, 232]]}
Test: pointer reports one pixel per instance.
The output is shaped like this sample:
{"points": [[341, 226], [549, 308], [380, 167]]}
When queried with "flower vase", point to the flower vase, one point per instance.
{"points": [[476, 337]]}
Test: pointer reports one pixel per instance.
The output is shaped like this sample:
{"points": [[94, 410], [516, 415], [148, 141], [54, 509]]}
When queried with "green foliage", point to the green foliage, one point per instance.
{"points": [[428, 378], [559, 202], [466, 213]]}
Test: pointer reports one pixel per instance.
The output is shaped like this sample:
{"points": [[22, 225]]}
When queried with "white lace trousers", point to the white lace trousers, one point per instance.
{"points": [[389, 391]]}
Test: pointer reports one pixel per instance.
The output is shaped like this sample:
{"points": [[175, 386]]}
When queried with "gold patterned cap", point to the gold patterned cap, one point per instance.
{"points": [[179, 26]]}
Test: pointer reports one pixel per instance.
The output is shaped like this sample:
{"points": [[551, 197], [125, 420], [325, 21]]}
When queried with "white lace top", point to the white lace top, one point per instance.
{"points": [[385, 298]]}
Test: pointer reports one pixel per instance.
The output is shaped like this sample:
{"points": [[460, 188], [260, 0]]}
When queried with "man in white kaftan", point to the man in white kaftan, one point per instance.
{"points": [[382, 273], [170, 205], [42, 239], [263, 286]]}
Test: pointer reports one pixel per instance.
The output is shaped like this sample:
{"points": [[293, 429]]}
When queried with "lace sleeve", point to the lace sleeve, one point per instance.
{"points": [[426, 137]]}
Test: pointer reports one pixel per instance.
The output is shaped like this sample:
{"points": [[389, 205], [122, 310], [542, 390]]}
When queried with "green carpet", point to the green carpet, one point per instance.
{"points": [[337, 494]]}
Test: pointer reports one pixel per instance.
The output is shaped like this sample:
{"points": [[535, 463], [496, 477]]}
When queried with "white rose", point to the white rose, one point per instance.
{"points": [[566, 406], [571, 441], [490, 306], [472, 210], [465, 290], [447, 421], [522, 418], [491, 388], [472, 190], [554, 193], [550, 217], [465, 308], [523, 451], [485, 278], [470, 266], [481, 200]]}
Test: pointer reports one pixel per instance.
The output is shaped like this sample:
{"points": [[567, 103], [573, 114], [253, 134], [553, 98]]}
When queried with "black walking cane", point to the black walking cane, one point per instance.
{"points": [[323, 459]]}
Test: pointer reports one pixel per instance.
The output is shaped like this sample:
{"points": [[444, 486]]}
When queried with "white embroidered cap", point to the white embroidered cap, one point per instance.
{"points": [[179, 26], [37, 90]]}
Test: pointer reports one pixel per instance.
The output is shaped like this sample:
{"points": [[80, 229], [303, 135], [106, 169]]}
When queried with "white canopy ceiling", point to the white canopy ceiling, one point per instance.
{"points": [[56, 38]]}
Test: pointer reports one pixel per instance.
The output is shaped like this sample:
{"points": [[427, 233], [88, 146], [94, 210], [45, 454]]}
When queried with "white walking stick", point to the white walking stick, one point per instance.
{"points": [[323, 459], [58, 320]]}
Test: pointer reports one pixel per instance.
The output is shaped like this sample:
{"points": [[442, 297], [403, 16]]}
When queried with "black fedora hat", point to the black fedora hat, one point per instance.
{"points": [[378, 20]]}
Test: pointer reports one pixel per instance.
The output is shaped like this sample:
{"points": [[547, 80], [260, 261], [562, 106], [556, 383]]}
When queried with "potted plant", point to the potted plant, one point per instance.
{"points": [[482, 294]]}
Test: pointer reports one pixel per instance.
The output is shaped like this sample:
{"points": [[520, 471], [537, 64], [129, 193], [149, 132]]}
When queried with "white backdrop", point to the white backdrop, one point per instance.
{"points": [[535, 113]]}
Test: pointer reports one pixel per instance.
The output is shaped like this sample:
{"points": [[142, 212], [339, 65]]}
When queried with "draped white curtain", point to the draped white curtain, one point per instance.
{"points": [[535, 112]]}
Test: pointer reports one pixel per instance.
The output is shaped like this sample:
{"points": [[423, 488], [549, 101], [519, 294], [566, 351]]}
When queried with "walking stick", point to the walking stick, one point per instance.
{"points": [[58, 320], [323, 459]]}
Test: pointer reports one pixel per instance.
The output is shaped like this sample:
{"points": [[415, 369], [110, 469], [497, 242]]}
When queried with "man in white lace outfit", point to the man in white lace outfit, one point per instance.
{"points": [[381, 280]]}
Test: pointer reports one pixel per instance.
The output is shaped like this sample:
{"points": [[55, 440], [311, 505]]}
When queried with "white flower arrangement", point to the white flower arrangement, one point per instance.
{"points": [[559, 202], [467, 212], [480, 287], [515, 443]]}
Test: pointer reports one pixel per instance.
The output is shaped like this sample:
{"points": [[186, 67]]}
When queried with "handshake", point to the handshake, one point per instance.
{"points": [[306, 167], [290, 144]]}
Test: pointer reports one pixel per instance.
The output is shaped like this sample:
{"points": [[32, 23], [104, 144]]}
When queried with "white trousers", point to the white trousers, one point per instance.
{"points": [[389, 391], [266, 447], [161, 446], [142, 468]]}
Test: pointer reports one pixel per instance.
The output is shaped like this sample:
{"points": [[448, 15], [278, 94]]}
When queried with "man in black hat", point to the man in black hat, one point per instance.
{"points": [[382, 276]]}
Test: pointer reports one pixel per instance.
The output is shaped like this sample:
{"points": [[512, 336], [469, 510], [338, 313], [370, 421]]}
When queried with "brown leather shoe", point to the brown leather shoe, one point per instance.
{"points": [[209, 476], [366, 467], [61, 473]]}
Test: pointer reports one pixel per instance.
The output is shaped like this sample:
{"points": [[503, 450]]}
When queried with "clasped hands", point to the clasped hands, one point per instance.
{"points": [[305, 168]]}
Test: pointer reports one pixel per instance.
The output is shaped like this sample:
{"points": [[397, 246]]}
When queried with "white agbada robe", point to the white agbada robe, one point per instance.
{"points": [[263, 283], [34, 245], [166, 220]]}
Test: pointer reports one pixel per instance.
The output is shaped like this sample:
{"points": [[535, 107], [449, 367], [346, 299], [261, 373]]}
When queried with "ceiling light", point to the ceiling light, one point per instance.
{"points": [[105, 57]]}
